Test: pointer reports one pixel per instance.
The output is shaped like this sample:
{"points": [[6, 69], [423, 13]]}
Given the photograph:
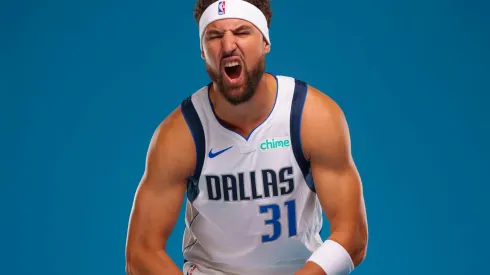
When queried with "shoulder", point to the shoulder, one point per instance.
{"points": [[324, 127], [172, 146], [183, 125], [312, 100], [319, 108]]}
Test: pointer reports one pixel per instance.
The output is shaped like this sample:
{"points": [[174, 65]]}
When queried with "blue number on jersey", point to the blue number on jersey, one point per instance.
{"points": [[274, 221]]}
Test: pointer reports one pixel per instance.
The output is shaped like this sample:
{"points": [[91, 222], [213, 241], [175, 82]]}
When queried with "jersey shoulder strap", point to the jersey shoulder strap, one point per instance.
{"points": [[297, 105], [195, 126]]}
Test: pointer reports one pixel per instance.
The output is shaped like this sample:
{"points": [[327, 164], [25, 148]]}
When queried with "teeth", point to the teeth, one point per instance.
{"points": [[231, 64]]}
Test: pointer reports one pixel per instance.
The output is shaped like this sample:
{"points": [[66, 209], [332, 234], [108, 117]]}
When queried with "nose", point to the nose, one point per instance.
{"points": [[228, 43]]}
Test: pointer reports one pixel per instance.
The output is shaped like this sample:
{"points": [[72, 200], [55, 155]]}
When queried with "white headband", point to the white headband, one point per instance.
{"points": [[237, 9]]}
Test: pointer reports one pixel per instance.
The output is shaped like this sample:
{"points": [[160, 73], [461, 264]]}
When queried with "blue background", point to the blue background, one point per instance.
{"points": [[84, 84]]}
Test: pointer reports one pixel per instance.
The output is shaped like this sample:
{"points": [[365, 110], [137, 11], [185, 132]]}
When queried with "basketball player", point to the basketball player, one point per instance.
{"points": [[257, 157]]}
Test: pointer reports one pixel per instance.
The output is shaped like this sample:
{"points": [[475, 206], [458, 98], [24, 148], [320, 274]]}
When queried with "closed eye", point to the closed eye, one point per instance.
{"points": [[211, 37], [212, 34], [242, 33], [242, 30]]}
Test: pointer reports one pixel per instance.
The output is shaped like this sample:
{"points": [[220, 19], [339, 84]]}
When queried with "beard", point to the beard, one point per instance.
{"points": [[251, 81]]}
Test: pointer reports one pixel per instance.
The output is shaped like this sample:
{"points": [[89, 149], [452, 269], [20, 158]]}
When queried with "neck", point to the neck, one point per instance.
{"points": [[245, 117]]}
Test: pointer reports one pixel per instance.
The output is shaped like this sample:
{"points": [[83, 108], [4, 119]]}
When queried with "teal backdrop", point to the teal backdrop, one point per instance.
{"points": [[84, 84]]}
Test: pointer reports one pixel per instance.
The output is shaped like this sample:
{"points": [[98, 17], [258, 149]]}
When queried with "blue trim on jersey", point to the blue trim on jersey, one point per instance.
{"points": [[309, 181], [195, 126], [299, 97], [246, 138]]}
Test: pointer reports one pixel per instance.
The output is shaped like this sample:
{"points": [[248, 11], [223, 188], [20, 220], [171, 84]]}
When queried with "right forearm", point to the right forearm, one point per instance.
{"points": [[151, 263]]}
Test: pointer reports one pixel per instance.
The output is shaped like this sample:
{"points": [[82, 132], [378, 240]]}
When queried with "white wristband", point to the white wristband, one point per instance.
{"points": [[333, 259]]}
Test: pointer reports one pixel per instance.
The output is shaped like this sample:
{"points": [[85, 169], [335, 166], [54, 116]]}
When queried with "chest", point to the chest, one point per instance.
{"points": [[229, 152], [257, 169]]}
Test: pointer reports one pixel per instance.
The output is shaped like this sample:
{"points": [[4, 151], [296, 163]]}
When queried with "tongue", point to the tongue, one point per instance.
{"points": [[233, 72]]}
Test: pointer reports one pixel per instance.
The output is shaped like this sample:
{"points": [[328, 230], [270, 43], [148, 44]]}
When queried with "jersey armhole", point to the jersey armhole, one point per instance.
{"points": [[195, 126], [298, 102]]}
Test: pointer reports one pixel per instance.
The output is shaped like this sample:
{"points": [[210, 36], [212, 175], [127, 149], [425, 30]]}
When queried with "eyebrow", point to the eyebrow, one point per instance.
{"points": [[214, 32], [242, 28], [219, 32]]}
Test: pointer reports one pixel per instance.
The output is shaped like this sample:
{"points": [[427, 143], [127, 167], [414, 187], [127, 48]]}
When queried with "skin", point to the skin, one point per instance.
{"points": [[171, 159], [326, 143], [235, 37]]}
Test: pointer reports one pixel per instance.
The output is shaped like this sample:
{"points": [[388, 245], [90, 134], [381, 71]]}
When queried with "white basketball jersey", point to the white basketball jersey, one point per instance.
{"points": [[251, 205]]}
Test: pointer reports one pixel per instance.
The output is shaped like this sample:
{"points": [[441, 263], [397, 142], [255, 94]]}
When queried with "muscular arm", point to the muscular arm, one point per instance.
{"points": [[159, 196], [326, 143]]}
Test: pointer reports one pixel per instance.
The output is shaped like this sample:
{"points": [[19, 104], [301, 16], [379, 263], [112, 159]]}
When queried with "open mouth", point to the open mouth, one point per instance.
{"points": [[233, 69]]}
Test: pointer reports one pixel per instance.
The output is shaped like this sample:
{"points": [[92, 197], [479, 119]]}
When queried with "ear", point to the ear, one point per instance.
{"points": [[202, 54], [267, 47]]}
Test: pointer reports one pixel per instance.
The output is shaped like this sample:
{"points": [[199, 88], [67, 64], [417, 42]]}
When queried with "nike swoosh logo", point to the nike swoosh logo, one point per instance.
{"points": [[215, 154]]}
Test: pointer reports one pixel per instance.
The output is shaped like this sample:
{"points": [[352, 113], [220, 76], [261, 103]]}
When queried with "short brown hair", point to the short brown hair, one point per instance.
{"points": [[262, 5]]}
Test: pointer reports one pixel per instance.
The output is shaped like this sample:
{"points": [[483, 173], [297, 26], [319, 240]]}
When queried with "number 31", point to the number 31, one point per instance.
{"points": [[276, 217]]}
